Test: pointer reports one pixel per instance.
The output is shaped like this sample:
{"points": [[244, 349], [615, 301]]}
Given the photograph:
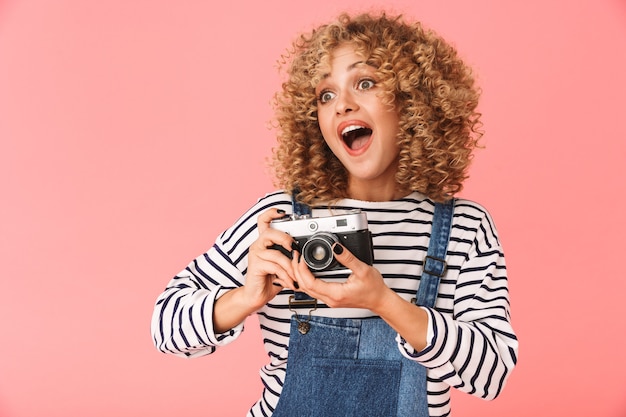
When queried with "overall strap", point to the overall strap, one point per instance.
{"points": [[299, 209], [435, 265]]}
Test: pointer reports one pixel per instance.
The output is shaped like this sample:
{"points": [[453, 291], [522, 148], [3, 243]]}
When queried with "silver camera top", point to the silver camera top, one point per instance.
{"points": [[306, 225]]}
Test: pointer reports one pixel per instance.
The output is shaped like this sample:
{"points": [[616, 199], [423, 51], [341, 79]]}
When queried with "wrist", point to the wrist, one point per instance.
{"points": [[243, 302], [230, 310], [408, 319], [386, 301]]}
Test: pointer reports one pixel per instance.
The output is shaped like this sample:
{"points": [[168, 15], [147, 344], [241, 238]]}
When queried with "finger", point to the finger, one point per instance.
{"points": [[316, 288], [277, 287], [265, 218], [271, 237], [282, 268], [271, 261], [279, 256], [277, 281], [303, 274], [285, 281], [347, 258]]}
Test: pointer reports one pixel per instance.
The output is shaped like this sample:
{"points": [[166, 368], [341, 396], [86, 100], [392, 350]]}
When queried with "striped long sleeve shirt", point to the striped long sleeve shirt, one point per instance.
{"points": [[471, 343]]}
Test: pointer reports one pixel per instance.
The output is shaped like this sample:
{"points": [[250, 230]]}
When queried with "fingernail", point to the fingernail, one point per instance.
{"points": [[338, 249], [281, 211], [294, 246], [276, 284], [295, 284]]}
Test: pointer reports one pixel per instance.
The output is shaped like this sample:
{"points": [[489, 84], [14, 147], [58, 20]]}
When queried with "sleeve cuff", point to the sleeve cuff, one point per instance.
{"points": [[440, 341], [219, 339]]}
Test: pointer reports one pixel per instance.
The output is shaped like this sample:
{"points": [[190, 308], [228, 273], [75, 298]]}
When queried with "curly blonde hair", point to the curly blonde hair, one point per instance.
{"points": [[420, 74]]}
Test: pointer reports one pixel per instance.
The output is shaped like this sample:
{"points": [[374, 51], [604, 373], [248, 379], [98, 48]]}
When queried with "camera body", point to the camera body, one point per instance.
{"points": [[316, 235]]}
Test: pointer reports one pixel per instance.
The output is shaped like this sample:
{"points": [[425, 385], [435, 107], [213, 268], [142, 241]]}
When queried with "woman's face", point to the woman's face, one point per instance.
{"points": [[358, 126]]}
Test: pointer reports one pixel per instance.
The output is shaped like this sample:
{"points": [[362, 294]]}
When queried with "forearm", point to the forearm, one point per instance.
{"points": [[181, 321], [231, 309], [476, 357], [408, 319]]}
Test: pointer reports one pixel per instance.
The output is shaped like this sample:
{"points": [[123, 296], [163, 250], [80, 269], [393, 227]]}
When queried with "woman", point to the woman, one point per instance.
{"points": [[377, 116]]}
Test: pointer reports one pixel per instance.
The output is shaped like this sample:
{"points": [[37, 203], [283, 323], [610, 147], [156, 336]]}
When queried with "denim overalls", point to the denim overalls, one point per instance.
{"points": [[341, 367]]}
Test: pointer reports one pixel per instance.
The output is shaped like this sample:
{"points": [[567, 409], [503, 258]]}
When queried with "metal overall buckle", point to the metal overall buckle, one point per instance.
{"points": [[435, 267], [303, 325]]}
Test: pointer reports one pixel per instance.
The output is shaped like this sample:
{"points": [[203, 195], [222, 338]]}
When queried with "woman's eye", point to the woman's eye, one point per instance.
{"points": [[325, 96], [366, 84]]}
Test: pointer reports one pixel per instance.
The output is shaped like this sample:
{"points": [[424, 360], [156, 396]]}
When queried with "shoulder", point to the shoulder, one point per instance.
{"points": [[246, 223], [469, 208], [474, 217], [273, 199]]}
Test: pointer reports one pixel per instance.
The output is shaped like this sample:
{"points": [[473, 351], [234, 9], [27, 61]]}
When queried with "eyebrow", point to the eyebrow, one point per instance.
{"points": [[350, 68], [353, 66]]}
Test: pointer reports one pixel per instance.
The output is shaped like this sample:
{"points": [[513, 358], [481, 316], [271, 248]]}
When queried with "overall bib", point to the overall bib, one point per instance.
{"points": [[341, 367]]}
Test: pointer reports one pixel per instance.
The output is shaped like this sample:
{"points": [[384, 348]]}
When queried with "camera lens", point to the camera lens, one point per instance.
{"points": [[317, 251]]}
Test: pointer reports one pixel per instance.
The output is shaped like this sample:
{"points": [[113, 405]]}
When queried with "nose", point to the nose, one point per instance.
{"points": [[345, 103]]}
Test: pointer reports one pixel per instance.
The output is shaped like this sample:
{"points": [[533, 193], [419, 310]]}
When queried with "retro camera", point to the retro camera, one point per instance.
{"points": [[316, 235]]}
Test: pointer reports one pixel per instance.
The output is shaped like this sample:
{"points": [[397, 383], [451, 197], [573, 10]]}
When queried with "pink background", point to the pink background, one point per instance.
{"points": [[133, 132]]}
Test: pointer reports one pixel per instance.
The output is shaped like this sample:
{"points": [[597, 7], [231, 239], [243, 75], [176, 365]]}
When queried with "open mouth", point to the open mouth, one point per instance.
{"points": [[356, 137]]}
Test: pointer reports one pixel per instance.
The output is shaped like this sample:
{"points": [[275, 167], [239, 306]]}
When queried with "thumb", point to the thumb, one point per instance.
{"points": [[347, 258]]}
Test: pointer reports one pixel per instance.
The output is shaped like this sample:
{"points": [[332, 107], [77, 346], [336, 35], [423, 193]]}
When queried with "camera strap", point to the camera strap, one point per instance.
{"points": [[435, 265]]}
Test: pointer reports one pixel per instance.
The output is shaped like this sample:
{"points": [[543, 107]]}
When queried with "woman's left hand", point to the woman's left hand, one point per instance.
{"points": [[364, 288]]}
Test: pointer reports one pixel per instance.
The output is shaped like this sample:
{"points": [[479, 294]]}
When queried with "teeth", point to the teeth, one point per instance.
{"points": [[351, 129]]}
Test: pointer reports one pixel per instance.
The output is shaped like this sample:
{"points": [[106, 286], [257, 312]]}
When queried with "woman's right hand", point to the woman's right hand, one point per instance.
{"points": [[269, 270]]}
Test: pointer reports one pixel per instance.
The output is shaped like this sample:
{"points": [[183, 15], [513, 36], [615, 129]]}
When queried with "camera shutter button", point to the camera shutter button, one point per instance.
{"points": [[313, 226]]}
